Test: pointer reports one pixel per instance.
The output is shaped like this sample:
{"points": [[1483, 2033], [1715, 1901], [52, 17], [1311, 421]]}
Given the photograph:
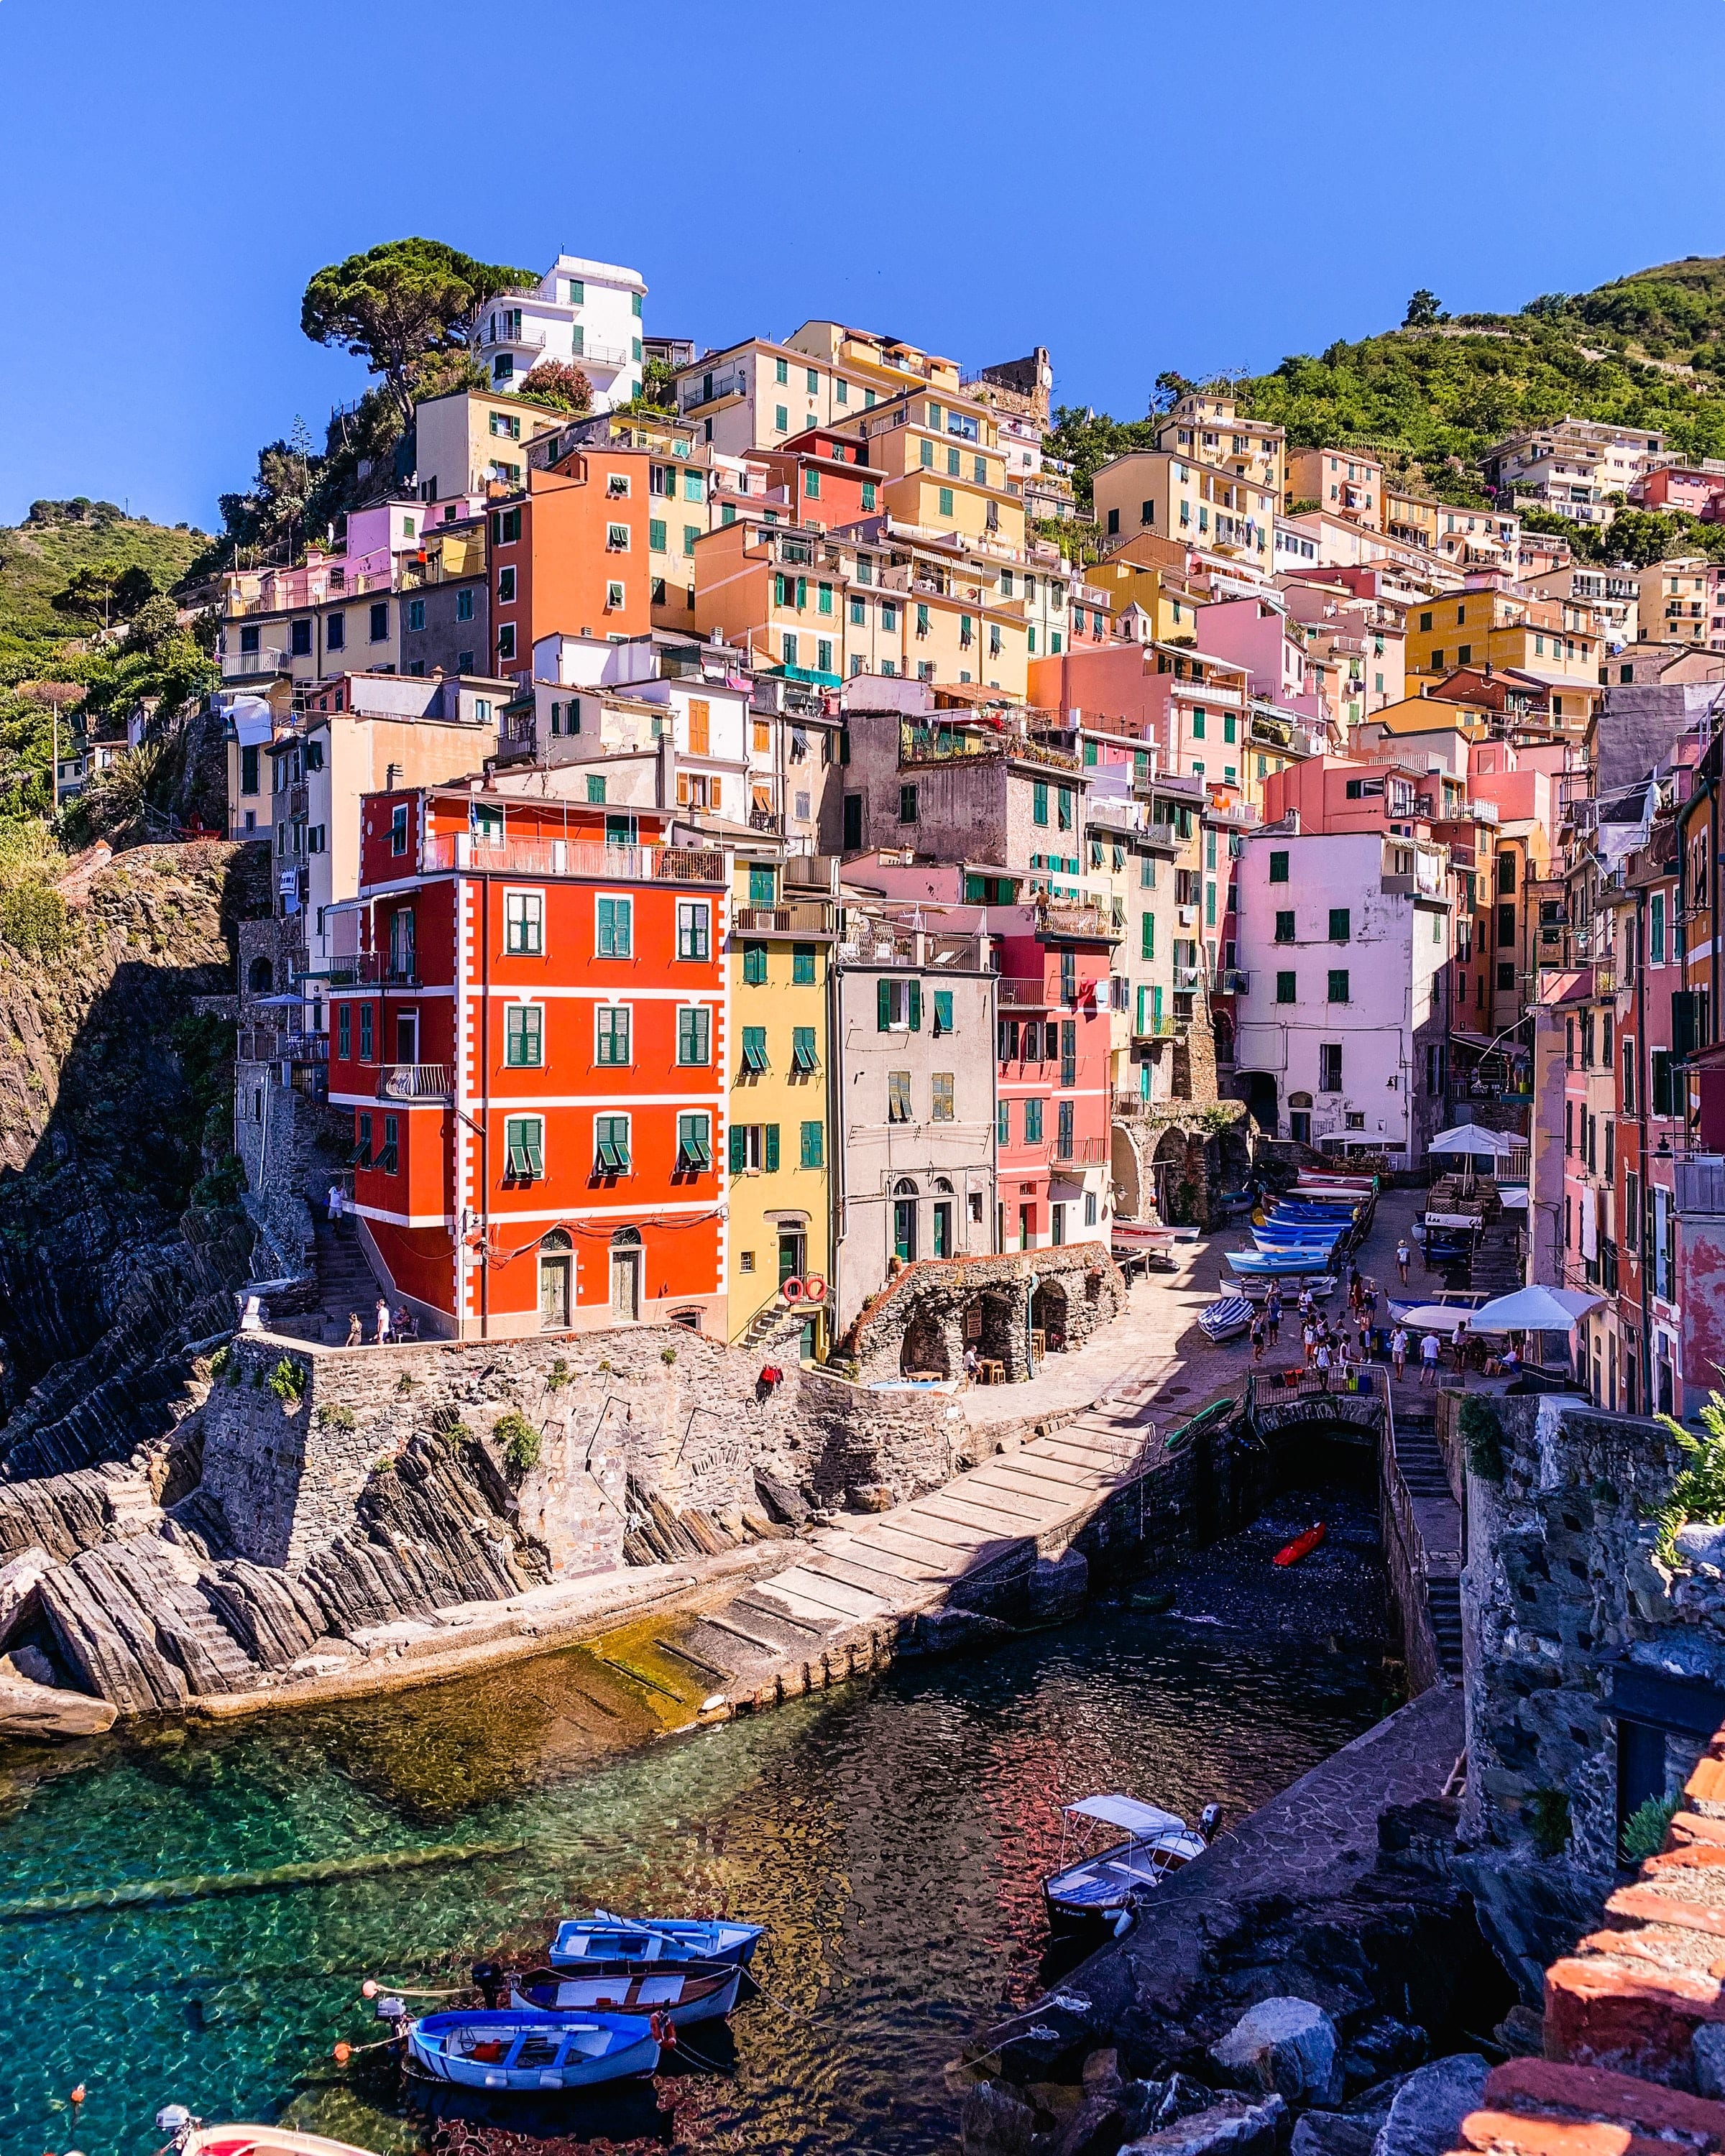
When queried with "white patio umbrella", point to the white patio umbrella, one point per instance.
{"points": [[1535, 1310], [1475, 1139]]}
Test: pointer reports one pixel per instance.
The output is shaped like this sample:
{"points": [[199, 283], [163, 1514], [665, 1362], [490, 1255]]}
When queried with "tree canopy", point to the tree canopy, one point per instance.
{"points": [[398, 305]]}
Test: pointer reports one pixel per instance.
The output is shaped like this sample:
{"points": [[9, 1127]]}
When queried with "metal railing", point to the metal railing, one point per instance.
{"points": [[1086, 922], [575, 857], [372, 969], [267, 658], [413, 1081], [801, 917], [1077, 1152]]}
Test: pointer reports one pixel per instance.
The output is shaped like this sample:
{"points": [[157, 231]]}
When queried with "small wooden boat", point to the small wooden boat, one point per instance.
{"points": [[195, 2138], [1153, 1598], [602, 1940], [1301, 1545], [1152, 1232], [1225, 1320], [1100, 1890], [1322, 1286], [682, 1995], [1294, 1261], [514, 2048]]}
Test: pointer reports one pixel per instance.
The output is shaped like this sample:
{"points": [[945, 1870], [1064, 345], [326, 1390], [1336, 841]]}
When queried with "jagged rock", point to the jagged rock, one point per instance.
{"points": [[47, 1711], [29, 1663], [1058, 1588], [1382, 2047], [1353, 2132], [1426, 2118], [869, 1497], [1229, 2126], [996, 2120], [1285, 2044], [786, 1505], [19, 1578], [1707, 2050]]}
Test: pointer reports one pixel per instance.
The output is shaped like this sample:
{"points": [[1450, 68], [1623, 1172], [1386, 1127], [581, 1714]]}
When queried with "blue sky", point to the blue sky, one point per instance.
{"points": [[1136, 186]]}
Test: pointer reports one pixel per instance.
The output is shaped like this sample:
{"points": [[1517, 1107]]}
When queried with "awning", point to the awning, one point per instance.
{"points": [[1129, 1813], [1536, 1310], [1567, 989]]}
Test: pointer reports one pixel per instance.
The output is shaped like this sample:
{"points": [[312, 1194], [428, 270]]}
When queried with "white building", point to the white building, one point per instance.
{"points": [[1342, 1026], [587, 314]]}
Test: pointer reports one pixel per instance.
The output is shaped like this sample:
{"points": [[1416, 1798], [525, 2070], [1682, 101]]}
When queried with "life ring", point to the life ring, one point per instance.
{"points": [[792, 1289], [814, 1288]]}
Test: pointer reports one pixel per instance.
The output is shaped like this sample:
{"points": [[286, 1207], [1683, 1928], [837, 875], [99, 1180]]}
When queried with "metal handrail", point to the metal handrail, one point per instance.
{"points": [[413, 1081]]}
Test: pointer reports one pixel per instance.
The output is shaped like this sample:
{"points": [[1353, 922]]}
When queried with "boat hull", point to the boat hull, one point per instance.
{"points": [[534, 2053], [263, 2141], [1096, 1893], [682, 1996], [609, 1943]]}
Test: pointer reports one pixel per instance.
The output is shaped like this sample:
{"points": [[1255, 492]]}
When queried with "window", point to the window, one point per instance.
{"points": [[754, 965], [812, 1153], [694, 1144], [615, 597], [335, 627], [802, 965], [1338, 985], [1065, 1121], [1064, 800], [248, 639], [1506, 872], [1278, 867], [1506, 926], [1285, 928], [610, 1137], [464, 603], [364, 1033], [1285, 988], [1038, 802], [907, 804], [1033, 1122], [506, 641], [754, 1050], [781, 370], [695, 1034], [694, 928], [898, 1006], [612, 1040], [379, 622], [1329, 1066], [399, 828], [524, 923], [248, 770], [1341, 924], [941, 1106], [524, 1147], [300, 639], [655, 535], [388, 1158], [763, 884], [1655, 927], [946, 502], [506, 527], [523, 1036], [1506, 975], [811, 484], [781, 420], [942, 1012], [898, 1097], [1003, 1123], [615, 937], [344, 1030], [804, 1061], [868, 494]]}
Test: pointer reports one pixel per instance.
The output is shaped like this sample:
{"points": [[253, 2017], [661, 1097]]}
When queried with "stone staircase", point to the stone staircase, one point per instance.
{"points": [[1421, 1461], [345, 1281], [771, 1320]]}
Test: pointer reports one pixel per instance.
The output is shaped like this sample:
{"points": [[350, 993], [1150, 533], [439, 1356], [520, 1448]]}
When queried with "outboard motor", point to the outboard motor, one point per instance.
{"points": [[488, 1976], [1210, 1819], [177, 2123]]}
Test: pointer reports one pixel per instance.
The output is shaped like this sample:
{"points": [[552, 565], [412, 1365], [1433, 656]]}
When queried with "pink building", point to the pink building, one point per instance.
{"points": [[1683, 487], [1194, 706]]}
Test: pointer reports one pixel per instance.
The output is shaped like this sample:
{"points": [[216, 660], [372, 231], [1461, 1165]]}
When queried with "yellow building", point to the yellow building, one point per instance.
{"points": [[779, 1221], [945, 470], [1164, 598], [1207, 428], [1497, 628], [1169, 493]]}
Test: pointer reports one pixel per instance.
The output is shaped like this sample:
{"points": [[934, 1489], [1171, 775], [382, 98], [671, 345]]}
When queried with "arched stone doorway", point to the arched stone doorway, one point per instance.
{"points": [[260, 979], [1123, 1167], [1168, 1171], [556, 1280], [925, 1352], [904, 1220], [1300, 1118], [1047, 1314], [626, 1273]]}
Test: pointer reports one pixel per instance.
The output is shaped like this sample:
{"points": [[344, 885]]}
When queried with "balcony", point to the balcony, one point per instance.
{"points": [[1187, 978], [1160, 1027], [1231, 981], [1076, 1153], [244, 666], [1026, 995], [1058, 923], [576, 857], [369, 969], [413, 1081], [802, 918], [1700, 1182]]}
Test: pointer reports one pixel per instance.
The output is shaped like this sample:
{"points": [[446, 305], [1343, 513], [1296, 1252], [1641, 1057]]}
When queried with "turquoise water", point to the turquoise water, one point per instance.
{"points": [[892, 1833]]}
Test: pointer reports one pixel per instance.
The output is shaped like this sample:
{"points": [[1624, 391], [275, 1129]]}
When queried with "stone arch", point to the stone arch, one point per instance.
{"points": [[260, 978], [924, 1345], [1168, 1174], [1050, 1312], [1124, 1168], [1002, 1337]]}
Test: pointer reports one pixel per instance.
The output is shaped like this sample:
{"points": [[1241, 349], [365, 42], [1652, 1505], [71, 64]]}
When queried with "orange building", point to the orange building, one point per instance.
{"points": [[569, 555], [530, 1038]]}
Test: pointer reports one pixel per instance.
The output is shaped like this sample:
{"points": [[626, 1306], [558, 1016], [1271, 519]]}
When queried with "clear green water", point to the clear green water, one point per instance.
{"points": [[892, 1833]]}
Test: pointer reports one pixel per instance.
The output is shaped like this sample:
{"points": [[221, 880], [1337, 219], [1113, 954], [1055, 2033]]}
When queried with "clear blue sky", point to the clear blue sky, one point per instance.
{"points": [[1136, 186]]}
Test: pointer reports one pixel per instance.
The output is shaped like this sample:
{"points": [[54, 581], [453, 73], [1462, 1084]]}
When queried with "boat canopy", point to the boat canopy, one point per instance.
{"points": [[1127, 1812]]}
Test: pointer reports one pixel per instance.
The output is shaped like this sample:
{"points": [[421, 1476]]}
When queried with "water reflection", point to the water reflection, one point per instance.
{"points": [[892, 1834]]}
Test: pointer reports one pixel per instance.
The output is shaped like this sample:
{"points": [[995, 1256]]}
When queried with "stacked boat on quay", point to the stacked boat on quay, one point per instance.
{"points": [[1300, 1238]]}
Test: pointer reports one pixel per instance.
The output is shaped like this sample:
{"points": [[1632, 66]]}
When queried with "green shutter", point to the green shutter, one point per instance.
{"points": [[772, 1148], [812, 1149], [883, 1006], [915, 1000], [736, 1149], [943, 1011]]}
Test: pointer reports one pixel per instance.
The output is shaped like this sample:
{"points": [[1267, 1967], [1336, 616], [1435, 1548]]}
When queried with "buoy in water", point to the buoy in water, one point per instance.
{"points": [[1301, 1545]]}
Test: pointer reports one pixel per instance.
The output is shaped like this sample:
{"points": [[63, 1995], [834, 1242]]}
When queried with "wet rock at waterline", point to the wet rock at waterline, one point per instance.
{"points": [[1231, 2126], [1426, 2118], [30, 1709]]}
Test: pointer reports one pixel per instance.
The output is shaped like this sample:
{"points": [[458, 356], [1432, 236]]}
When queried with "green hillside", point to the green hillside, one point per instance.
{"points": [[1646, 350], [59, 542]]}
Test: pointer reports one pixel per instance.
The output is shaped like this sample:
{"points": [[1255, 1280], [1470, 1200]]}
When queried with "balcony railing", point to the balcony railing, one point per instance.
{"points": [[267, 658], [1026, 995], [1076, 1153], [575, 857], [413, 1081], [1083, 923], [372, 969], [1162, 1027], [802, 918]]}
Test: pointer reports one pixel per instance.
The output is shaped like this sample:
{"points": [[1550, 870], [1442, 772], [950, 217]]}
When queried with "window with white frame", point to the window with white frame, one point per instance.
{"points": [[694, 1144], [613, 936], [613, 596], [524, 1147], [524, 923], [524, 1036], [694, 928], [695, 1034], [610, 1135], [611, 1034]]}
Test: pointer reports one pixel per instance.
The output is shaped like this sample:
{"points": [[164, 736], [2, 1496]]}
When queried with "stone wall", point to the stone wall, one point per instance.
{"points": [[927, 1314]]}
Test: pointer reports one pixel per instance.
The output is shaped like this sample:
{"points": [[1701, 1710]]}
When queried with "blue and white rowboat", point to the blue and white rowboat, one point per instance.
{"points": [[587, 1941], [510, 2049]]}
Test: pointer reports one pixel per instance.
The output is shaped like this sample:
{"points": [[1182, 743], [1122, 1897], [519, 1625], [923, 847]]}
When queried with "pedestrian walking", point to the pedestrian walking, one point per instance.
{"points": [[1404, 1258], [1398, 1352], [356, 1331], [1428, 1351], [1309, 1339], [335, 1204], [1257, 1339], [1306, 1302], [382, 1322], [1323, 1364], [1272, 1316], [1371, 1299], [1460, 1342]]}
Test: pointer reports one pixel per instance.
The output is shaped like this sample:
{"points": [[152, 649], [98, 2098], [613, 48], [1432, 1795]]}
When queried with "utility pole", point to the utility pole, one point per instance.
{"points": [[55, 775]]}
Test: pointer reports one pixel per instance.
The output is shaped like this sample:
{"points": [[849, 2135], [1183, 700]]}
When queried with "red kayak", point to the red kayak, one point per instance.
{"points": [[1301, 1545]]}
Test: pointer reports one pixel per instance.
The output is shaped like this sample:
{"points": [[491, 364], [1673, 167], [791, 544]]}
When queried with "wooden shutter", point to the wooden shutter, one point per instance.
{"points": [[682, 789], [883, 1006], [700, 712], [713, 792], [772, 1148], [915, 1000], [737, 1144]]}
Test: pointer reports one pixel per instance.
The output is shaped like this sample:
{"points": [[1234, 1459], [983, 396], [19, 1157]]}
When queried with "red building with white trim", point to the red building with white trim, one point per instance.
{"points": [[531, 1035]]}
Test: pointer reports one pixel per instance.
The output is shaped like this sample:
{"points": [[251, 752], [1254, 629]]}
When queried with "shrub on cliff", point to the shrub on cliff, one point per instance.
{"points": [[1644, 1830], [1699, 1491], [520, 1442], [287, 1381], [1482, 1435], [33, 920]]}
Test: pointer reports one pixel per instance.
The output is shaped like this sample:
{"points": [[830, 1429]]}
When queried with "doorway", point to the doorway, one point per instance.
{"points": [[1027, 1226], [556, 1269], [904, 1221], [791, 1247], [853, 822], [626, 1273], [407, 1037]]}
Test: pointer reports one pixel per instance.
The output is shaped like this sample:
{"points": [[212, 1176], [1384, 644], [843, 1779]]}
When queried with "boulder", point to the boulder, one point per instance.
{"points": [[1382, 2047], [1426, 2118], [48, 1712], [869, 1497], [1231, 2126], [1707, 2050], [786, 1504], [1058, 1588], [18, 1598], [30, 1664], [954, 1632], [996, 2120], [1288, 2045]]}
